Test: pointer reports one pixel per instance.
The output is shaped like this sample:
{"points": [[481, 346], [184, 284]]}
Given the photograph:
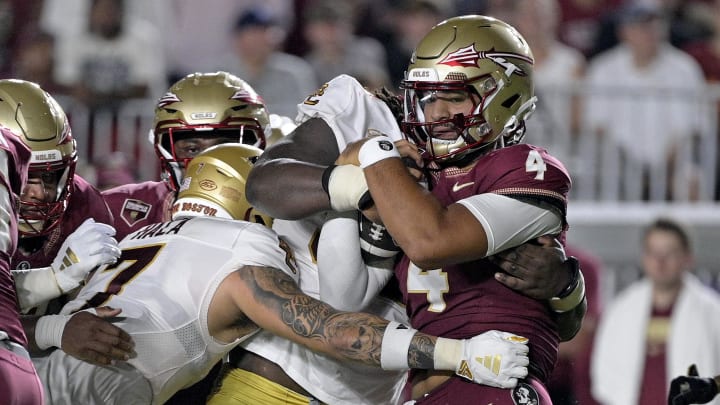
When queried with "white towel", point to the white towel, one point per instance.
{"points": [[619, 351]]}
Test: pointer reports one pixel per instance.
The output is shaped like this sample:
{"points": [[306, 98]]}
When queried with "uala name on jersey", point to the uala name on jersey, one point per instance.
{"points": [[162, 228]]}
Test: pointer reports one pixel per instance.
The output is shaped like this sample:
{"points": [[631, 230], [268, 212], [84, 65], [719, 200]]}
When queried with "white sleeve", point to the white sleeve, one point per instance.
{"points": [[509, 222], [35, 286], [6, 208], [350, 110], [346, 282]]}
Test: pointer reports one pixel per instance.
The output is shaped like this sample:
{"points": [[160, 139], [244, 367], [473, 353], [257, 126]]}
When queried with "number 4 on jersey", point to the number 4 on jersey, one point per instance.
{"points": [[535, 163]]}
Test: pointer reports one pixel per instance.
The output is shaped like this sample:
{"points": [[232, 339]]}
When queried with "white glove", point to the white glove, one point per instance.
{"points": [[494, 358], [91, 245]]}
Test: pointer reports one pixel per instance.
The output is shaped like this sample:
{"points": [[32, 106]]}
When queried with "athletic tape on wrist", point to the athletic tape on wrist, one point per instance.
{"points": [[571, 300], [448, 353], [376, 149], [395, 346], [346, 187], [49, 330]]}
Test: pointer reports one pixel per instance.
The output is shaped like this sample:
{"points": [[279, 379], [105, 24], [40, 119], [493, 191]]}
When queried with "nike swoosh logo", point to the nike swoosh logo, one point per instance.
{"points": [[457, 187]]}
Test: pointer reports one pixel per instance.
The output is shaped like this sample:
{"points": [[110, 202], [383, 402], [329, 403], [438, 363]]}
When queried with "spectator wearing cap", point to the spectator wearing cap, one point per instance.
{"points": [[335, 49], [642, 106], [282, 79]]}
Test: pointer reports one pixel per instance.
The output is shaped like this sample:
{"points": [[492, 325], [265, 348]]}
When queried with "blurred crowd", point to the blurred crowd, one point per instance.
{"points": [[101, 53], [620, 78]]}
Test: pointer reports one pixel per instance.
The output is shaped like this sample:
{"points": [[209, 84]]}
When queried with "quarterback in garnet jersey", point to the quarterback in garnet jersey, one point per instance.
{"points": [[468, 92], [472, 301]]}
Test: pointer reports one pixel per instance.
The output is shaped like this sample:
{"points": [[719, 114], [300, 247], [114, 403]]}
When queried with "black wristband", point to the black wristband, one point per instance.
{"points": [[326, 178], [574, 277], [366, 201]]}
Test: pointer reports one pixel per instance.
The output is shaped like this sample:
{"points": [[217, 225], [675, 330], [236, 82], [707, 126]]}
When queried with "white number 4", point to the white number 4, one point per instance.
{"points": [[535, 163], [432, 283]]}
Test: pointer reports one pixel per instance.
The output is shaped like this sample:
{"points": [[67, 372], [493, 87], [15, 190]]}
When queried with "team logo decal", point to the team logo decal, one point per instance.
{"points": [[168, 98], [23, 265], [134, 211], [469, 57], [246, 96], [525, 394], [207, 185]]}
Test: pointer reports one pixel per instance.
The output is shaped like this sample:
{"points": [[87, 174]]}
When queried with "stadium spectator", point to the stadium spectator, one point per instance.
{"points": [[335, 49], [557, 68], [282, 79], [657, 325], [630, 102], [114, 59]]}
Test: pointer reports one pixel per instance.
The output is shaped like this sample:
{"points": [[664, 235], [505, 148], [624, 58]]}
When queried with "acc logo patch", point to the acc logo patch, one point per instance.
{"points": [[525, 394], [134, 211]]}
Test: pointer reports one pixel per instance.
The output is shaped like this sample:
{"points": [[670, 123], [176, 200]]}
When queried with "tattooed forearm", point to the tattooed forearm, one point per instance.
{"points": [[422, 348], [346, 335]]}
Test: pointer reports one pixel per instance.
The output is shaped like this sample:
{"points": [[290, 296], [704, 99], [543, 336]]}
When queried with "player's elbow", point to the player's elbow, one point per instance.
{"points": [[423, 253]]}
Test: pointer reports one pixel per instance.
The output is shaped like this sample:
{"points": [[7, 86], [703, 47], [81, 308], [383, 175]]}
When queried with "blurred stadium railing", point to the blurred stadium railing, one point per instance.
{"points": [[613, 197]]}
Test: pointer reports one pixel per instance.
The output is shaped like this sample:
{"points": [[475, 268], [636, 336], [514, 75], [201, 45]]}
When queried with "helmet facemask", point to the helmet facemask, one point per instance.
{"points": [[41, 217], [38, 119], [217, 107], [490, 62]]}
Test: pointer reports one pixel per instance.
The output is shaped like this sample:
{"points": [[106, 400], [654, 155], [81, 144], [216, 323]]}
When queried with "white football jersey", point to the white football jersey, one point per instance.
{"points": [[164, 281], [350, 111]]}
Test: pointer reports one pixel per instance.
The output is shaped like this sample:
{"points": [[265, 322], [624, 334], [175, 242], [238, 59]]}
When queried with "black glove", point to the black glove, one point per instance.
{"points": [[692, 389]]}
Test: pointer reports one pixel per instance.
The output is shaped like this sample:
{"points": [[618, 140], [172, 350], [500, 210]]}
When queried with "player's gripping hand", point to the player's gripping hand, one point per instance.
{"points": [[91, 245], [494, 358], [692, 389], [94, 339]]}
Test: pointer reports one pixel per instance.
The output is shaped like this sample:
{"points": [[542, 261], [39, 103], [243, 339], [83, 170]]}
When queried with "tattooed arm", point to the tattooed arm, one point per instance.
{"points": [[271, 300]]}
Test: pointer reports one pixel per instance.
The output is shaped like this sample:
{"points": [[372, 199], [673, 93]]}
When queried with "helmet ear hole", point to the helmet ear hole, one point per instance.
{"points": [[510, 100]]}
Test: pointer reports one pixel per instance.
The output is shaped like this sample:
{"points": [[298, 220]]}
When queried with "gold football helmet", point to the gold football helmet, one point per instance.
{"points": [[207, 105], [485, 57], [214, 184], [30, 112]]}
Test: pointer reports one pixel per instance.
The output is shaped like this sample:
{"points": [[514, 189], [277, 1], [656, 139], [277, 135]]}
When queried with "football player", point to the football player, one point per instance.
{"points": [[19, 383], [63, 223], [298, 178], [186, 310], [198, 111], [468, 91]]}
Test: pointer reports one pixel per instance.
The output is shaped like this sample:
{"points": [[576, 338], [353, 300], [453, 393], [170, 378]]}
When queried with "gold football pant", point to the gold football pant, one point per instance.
{"points": [[241, 387]]}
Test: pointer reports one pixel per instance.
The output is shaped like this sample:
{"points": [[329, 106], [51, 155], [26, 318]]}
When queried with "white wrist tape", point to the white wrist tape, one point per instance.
{"points": [[346, 186], [572, 300], [49, 330], [376, 149], [448, 353], [395, 346]]}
